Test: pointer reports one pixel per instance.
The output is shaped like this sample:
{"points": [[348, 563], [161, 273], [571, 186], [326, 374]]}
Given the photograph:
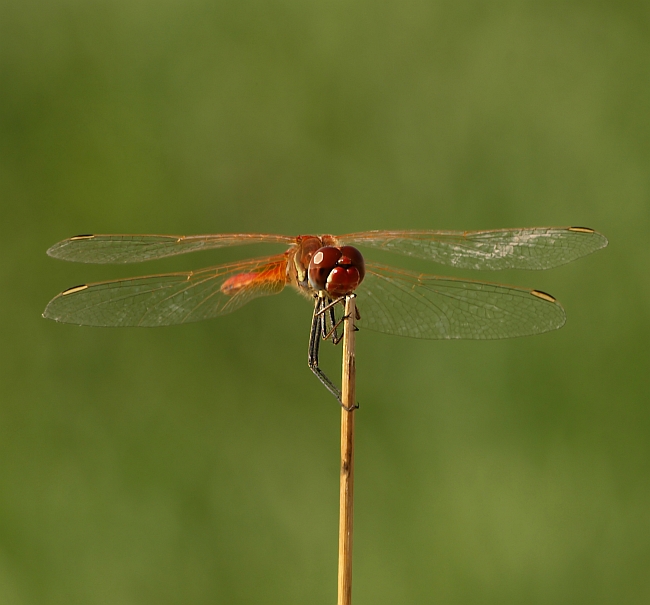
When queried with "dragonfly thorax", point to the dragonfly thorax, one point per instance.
{"points": [[300, 257]]}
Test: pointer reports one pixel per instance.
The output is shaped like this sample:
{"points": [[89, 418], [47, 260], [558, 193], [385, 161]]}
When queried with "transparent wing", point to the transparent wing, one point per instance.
{"points": [[138, 248], [425, 306], [173, 298], [537, 248]]}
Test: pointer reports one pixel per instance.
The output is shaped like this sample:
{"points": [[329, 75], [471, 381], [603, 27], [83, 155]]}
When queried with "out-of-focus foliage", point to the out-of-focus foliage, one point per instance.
{"points": [[199, 464]]}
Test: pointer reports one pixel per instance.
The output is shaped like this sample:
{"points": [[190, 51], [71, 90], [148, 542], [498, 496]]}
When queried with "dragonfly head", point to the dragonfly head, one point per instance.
{"points": [[338, 271]]}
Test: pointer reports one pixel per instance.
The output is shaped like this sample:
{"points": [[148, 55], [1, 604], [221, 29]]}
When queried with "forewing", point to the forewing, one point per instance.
{"points": [[173, 298], [425, 306], [137, 248], [537, 248]]}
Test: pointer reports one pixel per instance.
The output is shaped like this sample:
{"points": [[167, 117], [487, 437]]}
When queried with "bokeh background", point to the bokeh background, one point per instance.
{"points": [[199, 463]]}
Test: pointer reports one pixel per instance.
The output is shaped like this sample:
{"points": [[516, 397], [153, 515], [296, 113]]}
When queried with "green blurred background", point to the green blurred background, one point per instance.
{"points": [[199, 464]]}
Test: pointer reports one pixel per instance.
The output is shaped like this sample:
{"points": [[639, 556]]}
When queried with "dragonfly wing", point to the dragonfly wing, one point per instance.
{"points": [[173, 298], [537, 248], [138, 248], [425, 306]]}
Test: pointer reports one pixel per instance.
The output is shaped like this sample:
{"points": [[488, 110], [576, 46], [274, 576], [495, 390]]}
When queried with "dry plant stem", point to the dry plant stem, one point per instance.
{"points": [[348, 398]]}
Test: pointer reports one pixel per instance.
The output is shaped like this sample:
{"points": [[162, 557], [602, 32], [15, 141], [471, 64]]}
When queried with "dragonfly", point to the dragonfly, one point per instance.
{"points": [[326, 269]]}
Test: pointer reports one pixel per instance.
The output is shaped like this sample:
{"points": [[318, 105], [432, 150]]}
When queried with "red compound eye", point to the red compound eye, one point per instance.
{"points": [[351, 256], [320, 266], [338, 271]]}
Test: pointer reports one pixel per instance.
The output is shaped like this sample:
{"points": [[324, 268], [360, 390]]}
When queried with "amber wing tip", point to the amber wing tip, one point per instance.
{"points": [[51, 251], [55, 251], [589, 231], [46, 312]]}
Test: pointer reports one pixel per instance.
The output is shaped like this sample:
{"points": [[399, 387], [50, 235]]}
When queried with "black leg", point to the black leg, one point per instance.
{"points": [[333, 334], [331, 331], [317, 330]]}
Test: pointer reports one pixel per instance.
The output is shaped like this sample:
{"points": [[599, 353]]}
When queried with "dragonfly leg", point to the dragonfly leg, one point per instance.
{"points": [[317, 328], [333, 331], [318, 331], [329, 304], [335, 324], [358, 316]]}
